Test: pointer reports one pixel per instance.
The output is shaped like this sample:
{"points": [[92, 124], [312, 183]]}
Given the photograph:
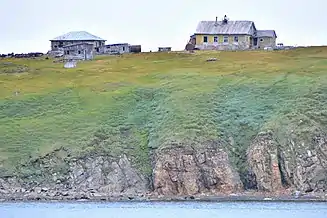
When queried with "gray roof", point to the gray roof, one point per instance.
{"points": [[76, 36], [266, 33], [231, 27]]}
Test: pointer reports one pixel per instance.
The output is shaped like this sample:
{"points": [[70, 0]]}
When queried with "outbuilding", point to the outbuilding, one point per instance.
{"points": [[79, 51]]}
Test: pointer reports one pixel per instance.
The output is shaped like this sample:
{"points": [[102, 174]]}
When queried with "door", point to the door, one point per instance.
{"points": [[255, 41]]}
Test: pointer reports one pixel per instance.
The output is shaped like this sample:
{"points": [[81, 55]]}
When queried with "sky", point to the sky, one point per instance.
{"points": [[28, 25]]}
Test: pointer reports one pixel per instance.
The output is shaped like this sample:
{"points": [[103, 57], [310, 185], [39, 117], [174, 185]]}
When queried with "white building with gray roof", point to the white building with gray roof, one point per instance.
{"points": [[77, 37], [231, 35]]}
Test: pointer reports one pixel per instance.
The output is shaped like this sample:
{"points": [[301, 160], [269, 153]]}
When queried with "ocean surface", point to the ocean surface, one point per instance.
{"points": [[164, 210]]}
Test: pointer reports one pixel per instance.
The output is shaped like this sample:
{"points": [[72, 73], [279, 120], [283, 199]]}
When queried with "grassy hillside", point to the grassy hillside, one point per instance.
{"points": [[138, 102]]}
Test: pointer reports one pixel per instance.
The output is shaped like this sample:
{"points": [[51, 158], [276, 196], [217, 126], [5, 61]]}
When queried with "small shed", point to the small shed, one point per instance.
{"points": [[135, 48], [119, 48], [160, 49], [79, 51]]}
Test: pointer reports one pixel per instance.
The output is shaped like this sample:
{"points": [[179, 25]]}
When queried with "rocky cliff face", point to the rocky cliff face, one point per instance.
{"points": [[295, 163], [190, 171], [178, 170], [83, 178], [263, 162]]}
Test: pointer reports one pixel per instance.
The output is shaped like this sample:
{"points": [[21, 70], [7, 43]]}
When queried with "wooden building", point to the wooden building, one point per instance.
{"points": [[231, 35]]}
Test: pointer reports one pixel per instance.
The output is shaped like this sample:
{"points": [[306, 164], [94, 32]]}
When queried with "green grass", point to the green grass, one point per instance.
{"points": [[139, 102]]}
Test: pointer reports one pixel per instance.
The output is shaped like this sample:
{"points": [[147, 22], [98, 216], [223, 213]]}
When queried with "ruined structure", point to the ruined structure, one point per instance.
{"points": [[79, 51], [77, 37], [160, 49], [119, 48], [135, 48]]}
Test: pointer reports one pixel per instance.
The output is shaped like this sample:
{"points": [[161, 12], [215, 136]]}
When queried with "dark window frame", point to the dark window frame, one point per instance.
{"points": [[235, 38], [226, 37], [205, 39]]}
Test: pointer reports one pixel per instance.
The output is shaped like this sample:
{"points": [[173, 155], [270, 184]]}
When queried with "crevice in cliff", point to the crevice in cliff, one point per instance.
{"points": [[281, 166]]}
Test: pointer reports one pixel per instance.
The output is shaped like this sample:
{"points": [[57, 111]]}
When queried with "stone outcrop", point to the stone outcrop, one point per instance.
{"points": [[295, 163], [305, 163], [107, 176], [189, 171], [94, 175], [263, 162]]}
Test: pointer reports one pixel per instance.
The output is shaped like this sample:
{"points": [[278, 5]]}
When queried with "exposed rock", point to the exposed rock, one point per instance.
{"points": [[301, 164], [38, 190], [263, 161], [107, 176], [305, 163], [44, 189], [189, 171], [212, 59], [295, 166], [81, 178]]}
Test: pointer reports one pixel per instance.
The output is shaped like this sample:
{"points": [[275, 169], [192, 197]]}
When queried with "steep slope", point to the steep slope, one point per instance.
{"points": [[165, 124]]}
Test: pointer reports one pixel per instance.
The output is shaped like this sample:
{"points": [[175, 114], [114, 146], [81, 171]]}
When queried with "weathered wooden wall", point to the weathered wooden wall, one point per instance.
{"points": [[79, 52], [115, 49]]}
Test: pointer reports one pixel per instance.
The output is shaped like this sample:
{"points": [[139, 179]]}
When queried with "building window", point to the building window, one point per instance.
{"points": [[261, 40], [205, 39], [123, 48], [67, 52], [235, 38], [225, 38], [79, 52], [215, 39]]}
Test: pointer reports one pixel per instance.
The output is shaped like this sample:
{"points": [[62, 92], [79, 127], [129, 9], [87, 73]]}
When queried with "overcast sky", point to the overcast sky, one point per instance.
{"points": [[28, 25]]}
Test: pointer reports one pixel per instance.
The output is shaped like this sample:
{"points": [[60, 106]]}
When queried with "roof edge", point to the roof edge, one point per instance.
{"points": [[51, 40], [270, 30], [222, 34]]}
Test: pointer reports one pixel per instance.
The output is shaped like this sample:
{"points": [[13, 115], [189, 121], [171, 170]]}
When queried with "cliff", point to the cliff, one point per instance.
{"points": [[165, 125]]}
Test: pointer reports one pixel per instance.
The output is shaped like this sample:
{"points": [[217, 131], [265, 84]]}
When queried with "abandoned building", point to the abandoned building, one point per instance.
{"points": [[135, 48], [161, 49], [77, 37], [79, 51], [81, 45], [119, 48], [231, 35]]}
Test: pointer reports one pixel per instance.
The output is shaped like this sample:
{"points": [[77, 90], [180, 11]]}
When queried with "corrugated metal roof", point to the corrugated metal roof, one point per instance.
{"points": [[266, 33], [218, 27], [76, 36]]}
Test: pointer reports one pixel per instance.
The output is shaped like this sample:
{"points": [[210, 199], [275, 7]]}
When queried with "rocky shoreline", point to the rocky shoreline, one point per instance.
{"points": [[176, 173], [45, 196]]}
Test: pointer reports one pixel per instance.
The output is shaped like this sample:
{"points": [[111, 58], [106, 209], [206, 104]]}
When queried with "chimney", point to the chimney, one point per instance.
{"points": [[225, 20], [216, 23]]}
